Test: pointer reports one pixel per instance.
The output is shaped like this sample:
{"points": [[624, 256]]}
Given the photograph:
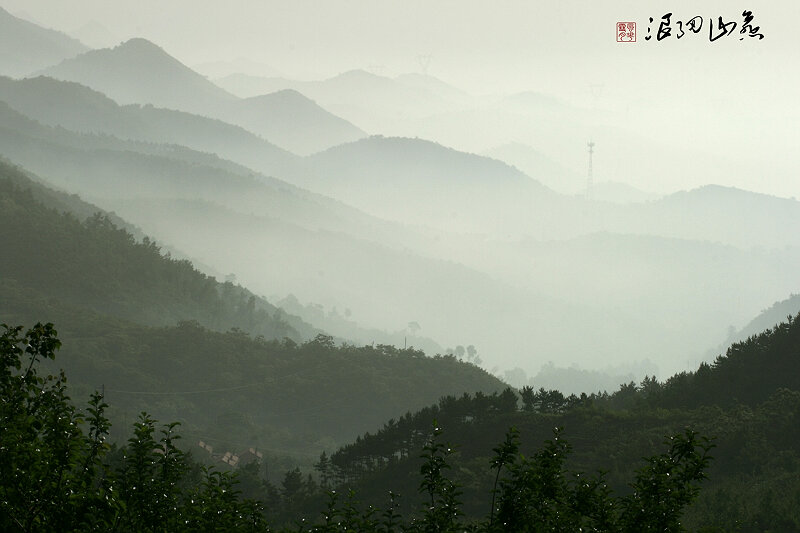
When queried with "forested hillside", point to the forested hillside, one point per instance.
{"points": [[149, 329], [456, 464], [92, 264], [81, 109], [748, 402], [151, 485], [25, 47], [307, 297]]}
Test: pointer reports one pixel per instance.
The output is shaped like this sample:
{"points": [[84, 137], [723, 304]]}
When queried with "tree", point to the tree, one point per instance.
{"points": [[528, 398], [459, 352], [55, 472], [507, 401], [292, 485], [666, 485], [472, 353], [48, 467], [442, 508], [324, 468]]}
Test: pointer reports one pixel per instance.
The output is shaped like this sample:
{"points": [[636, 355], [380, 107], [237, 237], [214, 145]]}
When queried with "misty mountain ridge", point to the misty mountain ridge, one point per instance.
{"points": [[621, 193], [768, 318], [104, 289], [294, 121], [420, 182], [562, 179], [138, 71], [612, 227], [114, 274], [280, 227], [322, 266], [102, 167], [537, 165], [369, 100], [410, 174], [342, 324], [292, 253], [78, 108], [715, 213], [433, 84], [384, 211], [348, 330], [26, 47], [560, 130], [68, 105], [420, 159], [347, 85], [241, 65]]}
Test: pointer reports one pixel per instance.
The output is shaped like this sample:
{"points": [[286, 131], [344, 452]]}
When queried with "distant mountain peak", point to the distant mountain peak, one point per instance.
{"points": [[140, 49], [289, 95], [726, 192], [361, 76], [357, 73], [127, 55], [140, 43], [139, 71], [26, 47]]}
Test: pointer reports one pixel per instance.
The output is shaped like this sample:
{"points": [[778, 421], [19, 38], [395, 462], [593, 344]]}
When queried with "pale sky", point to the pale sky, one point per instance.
{"points": [[730, 97]]}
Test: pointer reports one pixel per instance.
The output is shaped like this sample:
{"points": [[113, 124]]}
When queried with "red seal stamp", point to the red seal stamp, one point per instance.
{"points": [[626, 32]]}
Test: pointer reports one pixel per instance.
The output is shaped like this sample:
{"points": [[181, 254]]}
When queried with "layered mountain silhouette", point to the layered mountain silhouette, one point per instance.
{"points": [[475, 250], [101, 166], [76, 107], [26, 47], [138, 71], [419, 182], [369, 100], [278, 238], [534, 163], [292, 121], [713, 213], [95, 265], [247, 366]]}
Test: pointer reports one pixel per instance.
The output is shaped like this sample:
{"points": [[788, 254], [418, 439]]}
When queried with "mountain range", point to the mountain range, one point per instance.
{"points": [[148, 328], [501, 250], [26, 47], [131, 186], [365, 98], [138, 71]]}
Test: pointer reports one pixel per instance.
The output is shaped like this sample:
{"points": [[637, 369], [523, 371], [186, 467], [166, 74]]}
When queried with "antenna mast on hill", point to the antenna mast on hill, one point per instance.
{"points": [[589, 180]]}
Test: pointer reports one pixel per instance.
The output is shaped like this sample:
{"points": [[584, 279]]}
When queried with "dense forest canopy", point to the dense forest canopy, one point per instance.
{"points": [[58, 473], [583, 476]]}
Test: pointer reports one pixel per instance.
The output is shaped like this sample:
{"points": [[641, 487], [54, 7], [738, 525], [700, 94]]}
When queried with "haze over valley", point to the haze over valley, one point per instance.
{"points": [[309, 222], [475, 249]]}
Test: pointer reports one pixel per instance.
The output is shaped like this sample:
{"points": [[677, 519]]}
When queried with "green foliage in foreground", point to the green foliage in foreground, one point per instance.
{"points": [[58, 474]]}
